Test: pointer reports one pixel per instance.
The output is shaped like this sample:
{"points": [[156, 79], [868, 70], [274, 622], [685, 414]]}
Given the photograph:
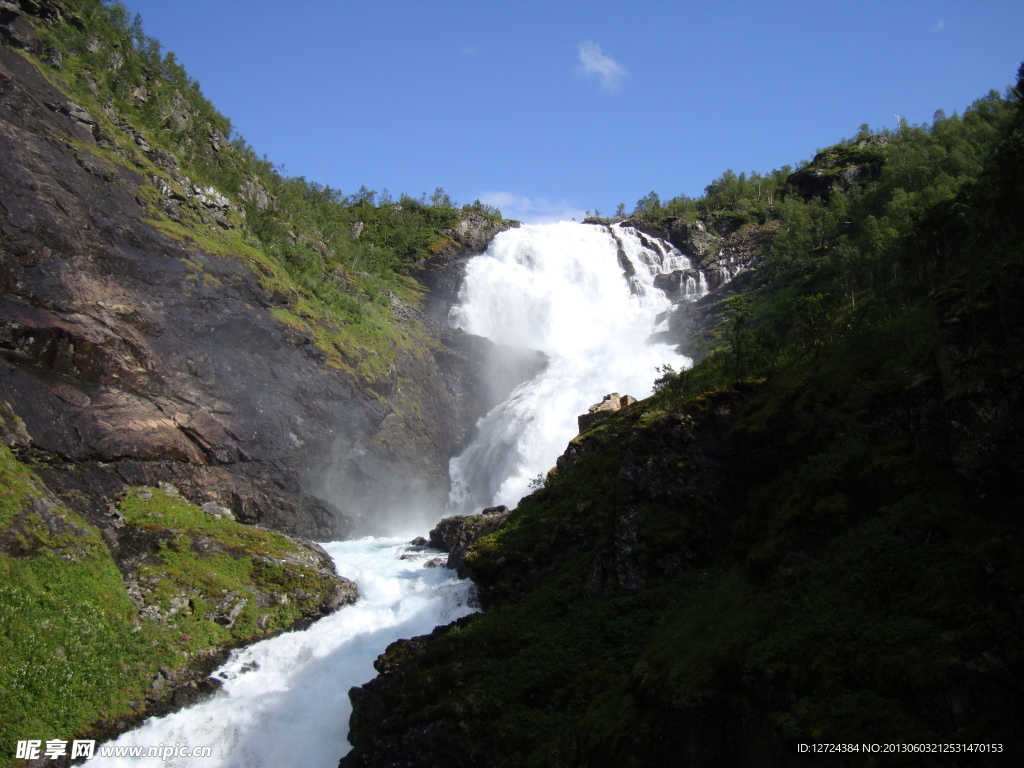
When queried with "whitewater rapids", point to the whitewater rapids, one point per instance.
{"points": [[285, 700]]}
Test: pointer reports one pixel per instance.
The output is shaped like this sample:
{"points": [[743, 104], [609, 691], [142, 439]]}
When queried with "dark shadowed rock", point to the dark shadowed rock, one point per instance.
{"points": [[457, 534], [839, 168], [985, 413], [378, 733]]}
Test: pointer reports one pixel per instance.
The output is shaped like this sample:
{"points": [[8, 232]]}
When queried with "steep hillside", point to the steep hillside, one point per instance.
{"points": [[158, 327], [812, 537], [107, 624]]}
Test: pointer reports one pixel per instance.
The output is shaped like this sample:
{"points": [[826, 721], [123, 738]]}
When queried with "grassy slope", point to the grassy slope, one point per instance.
{"points": [[76, 649]]}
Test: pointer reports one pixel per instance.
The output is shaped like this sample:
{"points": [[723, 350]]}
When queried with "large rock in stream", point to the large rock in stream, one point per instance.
{"points": [[457, 534]]}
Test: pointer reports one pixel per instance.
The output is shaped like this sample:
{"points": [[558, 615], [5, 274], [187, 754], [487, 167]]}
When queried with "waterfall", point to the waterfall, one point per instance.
{"points": [[693, 287], [585, 296]]}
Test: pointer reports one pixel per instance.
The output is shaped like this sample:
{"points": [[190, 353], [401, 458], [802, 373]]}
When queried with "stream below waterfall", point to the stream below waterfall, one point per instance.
{"points": [[582, 294], [285, 700]]}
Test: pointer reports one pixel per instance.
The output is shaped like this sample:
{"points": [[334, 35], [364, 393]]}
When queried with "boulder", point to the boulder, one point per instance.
{"points": [[838, 168], [610, 404], [458, 533], [475, 231], [12, 428], [693, 238]]}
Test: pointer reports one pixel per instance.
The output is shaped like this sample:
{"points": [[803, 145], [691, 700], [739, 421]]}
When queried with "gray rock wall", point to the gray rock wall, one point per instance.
{"points": [[132, 357]]}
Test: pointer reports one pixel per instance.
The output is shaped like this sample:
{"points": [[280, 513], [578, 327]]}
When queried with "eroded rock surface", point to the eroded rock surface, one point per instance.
{"points": [[133, 357], [608, 405]]}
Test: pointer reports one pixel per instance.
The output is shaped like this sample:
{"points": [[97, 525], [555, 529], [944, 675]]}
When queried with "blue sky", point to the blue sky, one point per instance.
{"points": [[550, 109]]}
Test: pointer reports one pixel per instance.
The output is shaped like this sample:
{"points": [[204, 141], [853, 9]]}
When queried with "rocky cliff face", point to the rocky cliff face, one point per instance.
{"points": [[607, 537], [442, 271], [726, 254], [839, 168], [134, 356]]}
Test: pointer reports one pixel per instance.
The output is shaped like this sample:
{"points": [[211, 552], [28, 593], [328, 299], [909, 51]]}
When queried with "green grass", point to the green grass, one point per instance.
{"points": [[255, 561], [70, 654], [15, 483], [75, 648]]}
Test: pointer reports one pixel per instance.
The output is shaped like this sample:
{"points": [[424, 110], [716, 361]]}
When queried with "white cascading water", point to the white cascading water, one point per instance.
{"points": [[285, 700], [558, 288]]}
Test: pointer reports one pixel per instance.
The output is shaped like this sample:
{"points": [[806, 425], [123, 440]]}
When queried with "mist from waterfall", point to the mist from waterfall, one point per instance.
{"points": [[583, 295]]}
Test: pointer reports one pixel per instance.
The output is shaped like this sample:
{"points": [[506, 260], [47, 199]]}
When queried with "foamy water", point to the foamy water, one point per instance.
{"points": [[285, 700], [559, 288]]}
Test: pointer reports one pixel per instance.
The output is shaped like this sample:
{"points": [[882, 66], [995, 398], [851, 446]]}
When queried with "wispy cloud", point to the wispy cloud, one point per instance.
{"points": [[533, 210], [594, 62], [939, 27], [470, 50]]}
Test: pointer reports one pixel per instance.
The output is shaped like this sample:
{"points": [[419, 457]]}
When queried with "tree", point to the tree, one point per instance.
{"points": [[737, 333], [648, 204], [364, 196], [440, 199]]}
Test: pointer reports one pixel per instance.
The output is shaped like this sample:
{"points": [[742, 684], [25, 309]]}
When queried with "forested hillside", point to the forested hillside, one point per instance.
{"points": [[812, 536]]}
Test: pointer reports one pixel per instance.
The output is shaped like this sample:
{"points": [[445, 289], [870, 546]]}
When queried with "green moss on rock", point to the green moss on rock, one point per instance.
{"points": [[101, 630]]}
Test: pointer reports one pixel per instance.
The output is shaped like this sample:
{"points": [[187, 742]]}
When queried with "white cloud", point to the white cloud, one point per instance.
{"points": [[594, 62], [470, 50], [533, 210], [939, 27]]}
